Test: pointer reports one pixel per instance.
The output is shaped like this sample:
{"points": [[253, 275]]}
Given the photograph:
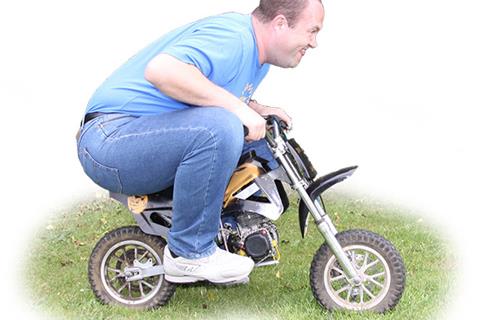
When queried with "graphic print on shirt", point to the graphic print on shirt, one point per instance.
{"points": [[247, 93]]}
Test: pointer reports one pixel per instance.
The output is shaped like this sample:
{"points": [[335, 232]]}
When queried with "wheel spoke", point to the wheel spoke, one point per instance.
{"points": [[342, 276], [125, 259], [375, 282], [142, 256], [365, 261], [373, 276], [122, 287], [352, 257], [147, 284], [371, 264], [118, 258], [115, 270], [115, 277], [368, 292], [338, 270], [141, 288], [120, 255], [130, 290], [349, 294], [343, 289]]}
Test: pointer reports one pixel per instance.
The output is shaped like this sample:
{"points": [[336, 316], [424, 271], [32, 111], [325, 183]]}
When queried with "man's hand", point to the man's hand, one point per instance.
{"points": [[253, 121], [264, 111]]}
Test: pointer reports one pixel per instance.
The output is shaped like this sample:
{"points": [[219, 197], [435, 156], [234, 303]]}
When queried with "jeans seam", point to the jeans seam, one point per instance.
{"points": [[156, 131], [113, 117], [200, 228]]}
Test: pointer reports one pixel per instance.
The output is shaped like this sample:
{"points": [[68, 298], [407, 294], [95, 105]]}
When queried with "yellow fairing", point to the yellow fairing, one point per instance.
{"points": [[243, 175]]}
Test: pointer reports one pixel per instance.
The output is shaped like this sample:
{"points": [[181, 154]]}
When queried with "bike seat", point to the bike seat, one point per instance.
{"points": [[138, 203], [161, 196]]}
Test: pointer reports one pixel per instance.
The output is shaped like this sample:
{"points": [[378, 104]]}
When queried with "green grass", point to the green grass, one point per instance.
{"points": [[57, 282]]}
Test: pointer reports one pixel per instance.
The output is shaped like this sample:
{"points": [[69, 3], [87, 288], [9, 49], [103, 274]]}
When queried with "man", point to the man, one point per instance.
{"points": [[174, 115]]}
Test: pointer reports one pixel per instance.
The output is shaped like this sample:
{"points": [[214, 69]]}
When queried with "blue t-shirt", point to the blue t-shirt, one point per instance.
{"points": [[222, 47]]}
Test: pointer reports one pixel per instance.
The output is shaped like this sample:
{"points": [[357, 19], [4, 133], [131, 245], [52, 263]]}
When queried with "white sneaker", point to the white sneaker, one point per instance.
{"points": [[221, 267]]}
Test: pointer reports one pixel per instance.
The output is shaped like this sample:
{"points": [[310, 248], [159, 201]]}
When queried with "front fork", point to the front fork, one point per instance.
{"points": [[322, 220], [328, 231]]}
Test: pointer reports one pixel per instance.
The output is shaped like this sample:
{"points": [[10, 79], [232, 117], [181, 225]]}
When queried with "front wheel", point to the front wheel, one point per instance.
{"points": [[378, 263], [112, 260]]}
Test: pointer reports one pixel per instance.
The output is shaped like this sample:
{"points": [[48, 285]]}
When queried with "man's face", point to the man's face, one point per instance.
{"points": [[293, 42]]}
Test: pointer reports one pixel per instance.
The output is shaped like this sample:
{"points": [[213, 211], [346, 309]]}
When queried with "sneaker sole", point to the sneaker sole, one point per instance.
{"points": [[188, 279], [244, 280]]}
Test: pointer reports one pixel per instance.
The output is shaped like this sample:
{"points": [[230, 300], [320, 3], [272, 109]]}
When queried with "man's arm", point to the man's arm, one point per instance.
{"points": [[187, 84]]}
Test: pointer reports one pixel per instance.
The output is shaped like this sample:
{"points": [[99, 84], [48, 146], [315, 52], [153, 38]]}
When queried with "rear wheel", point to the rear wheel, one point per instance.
{"points": [[112, 264], [378, 263]]}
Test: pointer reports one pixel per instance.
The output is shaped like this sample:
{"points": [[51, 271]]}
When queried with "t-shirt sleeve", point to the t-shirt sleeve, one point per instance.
{"points": [[215, 52]]}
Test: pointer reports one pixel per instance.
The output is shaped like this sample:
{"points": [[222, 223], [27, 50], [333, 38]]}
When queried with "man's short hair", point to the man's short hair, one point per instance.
{"points": [[269, 9]]}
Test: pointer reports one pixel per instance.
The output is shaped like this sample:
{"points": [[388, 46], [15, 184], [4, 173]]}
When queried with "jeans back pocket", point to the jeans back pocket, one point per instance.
{"points": [[104, 176]]}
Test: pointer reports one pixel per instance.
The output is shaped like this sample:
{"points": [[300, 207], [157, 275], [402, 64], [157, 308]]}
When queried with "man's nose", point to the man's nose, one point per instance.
{"points": [[313, 42]]}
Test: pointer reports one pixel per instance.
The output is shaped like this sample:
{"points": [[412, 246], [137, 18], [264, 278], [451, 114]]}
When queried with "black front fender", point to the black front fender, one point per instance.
{"points": [[317, 187]]}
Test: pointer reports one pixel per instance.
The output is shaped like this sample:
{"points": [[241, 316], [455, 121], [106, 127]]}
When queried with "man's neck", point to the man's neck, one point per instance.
{"points": [[259, 30]]}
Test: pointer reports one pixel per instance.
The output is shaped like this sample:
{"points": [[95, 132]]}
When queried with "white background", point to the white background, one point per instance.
{"points": [[391, 87]]}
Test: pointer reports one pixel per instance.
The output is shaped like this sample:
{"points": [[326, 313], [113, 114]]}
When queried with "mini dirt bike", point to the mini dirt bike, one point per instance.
{"points": [[353, 269]]}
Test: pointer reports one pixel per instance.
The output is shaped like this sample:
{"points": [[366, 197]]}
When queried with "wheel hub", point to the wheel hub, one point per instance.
{"points": [[140, 270]]}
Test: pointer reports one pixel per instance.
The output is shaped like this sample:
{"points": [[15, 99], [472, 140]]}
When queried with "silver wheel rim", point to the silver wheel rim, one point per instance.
{"points": [[121, 256], [375, 275]]}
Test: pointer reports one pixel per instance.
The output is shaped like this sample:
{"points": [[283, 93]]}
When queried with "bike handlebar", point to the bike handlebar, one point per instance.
{"points": [[271, 119]]}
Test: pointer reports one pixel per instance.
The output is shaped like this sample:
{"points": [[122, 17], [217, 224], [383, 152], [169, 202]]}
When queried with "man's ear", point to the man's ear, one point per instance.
{"points": [[280, 22]]}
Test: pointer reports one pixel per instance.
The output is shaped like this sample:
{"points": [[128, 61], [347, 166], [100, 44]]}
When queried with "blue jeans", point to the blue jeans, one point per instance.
{"points": [[195, 150]]}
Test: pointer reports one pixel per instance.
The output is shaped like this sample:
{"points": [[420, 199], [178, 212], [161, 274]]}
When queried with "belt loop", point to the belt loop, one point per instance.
{"points": [[79, 132], [82, 122]]}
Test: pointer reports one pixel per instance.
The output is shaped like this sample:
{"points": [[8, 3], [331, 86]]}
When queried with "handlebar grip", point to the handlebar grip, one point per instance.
{"points": [[280, 122]]}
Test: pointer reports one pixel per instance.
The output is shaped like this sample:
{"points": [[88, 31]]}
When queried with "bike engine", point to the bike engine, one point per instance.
{"points": [[250, 234]]}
